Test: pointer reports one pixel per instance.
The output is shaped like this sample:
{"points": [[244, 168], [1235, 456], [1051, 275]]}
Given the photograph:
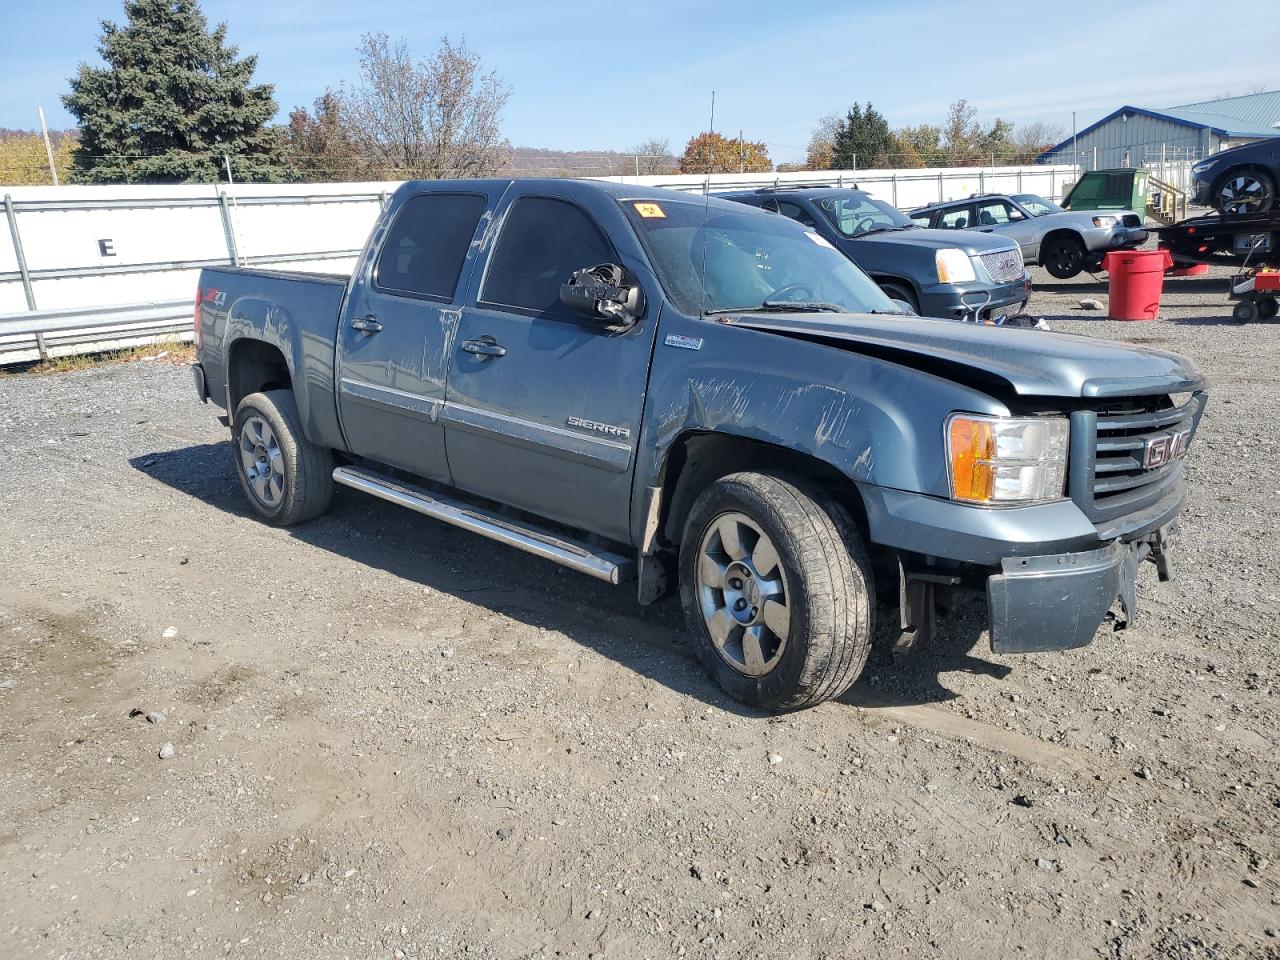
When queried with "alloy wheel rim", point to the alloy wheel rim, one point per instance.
{"points": [[743, 594], [262, 461], [1243, 194]]}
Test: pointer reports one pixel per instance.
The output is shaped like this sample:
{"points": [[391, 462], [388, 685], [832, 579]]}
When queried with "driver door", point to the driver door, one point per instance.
{"points": [[543, 405]]}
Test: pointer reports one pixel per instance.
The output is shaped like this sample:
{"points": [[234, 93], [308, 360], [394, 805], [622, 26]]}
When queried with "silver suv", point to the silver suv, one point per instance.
{"points": [[1063, 242]]}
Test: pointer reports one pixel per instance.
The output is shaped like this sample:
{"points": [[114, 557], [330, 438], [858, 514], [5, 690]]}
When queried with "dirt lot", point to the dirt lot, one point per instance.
{"points": [[392, 738]]}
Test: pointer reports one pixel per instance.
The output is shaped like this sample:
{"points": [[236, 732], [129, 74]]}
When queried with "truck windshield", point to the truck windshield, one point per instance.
{"points": [[1035, 205], [712, 259], [858, 214]]}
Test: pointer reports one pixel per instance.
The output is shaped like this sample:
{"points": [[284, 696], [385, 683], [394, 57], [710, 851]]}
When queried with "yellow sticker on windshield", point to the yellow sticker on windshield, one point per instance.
{"points": [[650, 211]]}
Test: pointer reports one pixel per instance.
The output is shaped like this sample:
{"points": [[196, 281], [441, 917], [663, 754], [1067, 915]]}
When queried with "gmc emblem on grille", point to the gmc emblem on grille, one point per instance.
{"points": [[1165, 449]]}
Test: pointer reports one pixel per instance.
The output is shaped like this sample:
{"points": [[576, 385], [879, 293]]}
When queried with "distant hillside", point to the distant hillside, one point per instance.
{"points": [[538, 162]]}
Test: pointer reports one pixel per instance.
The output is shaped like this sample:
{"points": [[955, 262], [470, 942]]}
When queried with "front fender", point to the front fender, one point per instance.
{"points": [[875, 421]]}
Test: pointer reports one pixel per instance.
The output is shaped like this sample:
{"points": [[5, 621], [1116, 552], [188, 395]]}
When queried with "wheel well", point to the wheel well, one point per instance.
{"points": [[1062, 234], [255, 366], [903, 282], [1235, 171], [697, 460]]}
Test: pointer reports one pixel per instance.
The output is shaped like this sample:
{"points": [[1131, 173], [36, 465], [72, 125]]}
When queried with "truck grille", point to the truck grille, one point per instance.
{"points": [[1005, 266], [1109, 479]]}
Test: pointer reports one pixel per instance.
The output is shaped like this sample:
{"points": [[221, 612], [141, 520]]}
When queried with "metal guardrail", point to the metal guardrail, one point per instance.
{"points": [[45, 334]]}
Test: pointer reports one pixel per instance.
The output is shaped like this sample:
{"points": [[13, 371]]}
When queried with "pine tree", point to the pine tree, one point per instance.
{"points": [[862, 137], [172, 101]]}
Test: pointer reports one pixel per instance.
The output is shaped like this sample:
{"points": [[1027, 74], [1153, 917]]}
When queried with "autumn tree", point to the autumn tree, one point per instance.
{"points": [[713, 153], [960, 134], [431, 118], [653, 157], [172, 100], [863, 137], [919, 146], [320, 142], [822, 143], [24, 162]]}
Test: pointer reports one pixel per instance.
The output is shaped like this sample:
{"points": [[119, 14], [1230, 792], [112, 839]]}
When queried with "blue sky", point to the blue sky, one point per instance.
{"points": [[606, 76]]}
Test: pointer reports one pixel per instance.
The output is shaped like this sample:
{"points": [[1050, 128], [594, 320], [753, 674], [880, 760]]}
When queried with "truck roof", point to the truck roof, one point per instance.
{"points": [[619, 191]]}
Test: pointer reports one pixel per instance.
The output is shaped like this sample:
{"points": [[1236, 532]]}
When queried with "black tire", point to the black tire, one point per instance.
{"points": [[1246, 311], [1063, 257], [1231, 191], [828, 581], [1268, 308], [305, 469], [896, 291]]}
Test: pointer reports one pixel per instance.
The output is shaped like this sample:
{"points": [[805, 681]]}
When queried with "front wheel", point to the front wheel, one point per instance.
{"points": [[286, 477], [1245, 191], [1064, 258], [777, 588]]}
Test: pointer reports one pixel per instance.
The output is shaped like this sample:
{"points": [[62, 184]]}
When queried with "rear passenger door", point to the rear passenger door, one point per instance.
{"points": [[397, 328], [544, 404]]}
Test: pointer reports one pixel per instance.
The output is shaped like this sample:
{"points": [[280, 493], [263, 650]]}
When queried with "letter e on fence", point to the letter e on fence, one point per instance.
{"points": [[106, 248]]}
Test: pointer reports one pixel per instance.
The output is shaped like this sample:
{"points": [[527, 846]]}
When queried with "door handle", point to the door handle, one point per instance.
{"points": [[367, 324], [486, 348]]}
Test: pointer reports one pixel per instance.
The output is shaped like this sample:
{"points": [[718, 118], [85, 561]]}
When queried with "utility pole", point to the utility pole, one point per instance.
{"points": [[48, 147], [742, 158], [1075, 145], [227, 160], [713, 113]]}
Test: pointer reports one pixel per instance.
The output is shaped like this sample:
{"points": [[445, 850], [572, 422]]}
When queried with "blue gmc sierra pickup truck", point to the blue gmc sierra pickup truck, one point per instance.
{"points": [[709, 400]]}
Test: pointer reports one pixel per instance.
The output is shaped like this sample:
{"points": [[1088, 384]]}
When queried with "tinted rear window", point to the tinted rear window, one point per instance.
{"points": [[427, 245]]}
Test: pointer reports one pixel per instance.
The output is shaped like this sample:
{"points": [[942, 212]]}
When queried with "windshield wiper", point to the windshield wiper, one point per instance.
{"points": [[783, 306], [867, 233]]}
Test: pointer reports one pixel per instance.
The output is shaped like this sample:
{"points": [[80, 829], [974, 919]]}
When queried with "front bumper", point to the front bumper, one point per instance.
{"points": [[1200, 192], [954, 301], [1049, 573], [1057, 602]]}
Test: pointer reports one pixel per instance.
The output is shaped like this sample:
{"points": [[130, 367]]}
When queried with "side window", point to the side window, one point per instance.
{"points": [[796, 212], [957, 219], [543, 242], [921, 219], [993, 213], [427, 244]]}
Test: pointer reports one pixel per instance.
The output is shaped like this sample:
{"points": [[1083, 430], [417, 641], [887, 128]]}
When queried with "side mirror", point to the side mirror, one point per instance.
{"points": [[602, 293]]}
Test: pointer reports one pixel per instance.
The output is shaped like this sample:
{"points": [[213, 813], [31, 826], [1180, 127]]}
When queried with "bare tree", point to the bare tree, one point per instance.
{"points": [[822, 143], [430, 119], [654, 157], [1032, 139]]}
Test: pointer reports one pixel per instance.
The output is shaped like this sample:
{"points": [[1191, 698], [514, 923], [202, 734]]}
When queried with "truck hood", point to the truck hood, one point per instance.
{"points": [[1032, 363], [970, 241]]}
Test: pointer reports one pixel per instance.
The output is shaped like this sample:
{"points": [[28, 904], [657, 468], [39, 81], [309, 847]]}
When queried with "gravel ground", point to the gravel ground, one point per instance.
{"points": [[391, 738]]}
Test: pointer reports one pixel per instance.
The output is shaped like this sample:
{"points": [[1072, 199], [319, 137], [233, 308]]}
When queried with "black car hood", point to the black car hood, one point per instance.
{"points": [[1032, 363], [971, 241]]}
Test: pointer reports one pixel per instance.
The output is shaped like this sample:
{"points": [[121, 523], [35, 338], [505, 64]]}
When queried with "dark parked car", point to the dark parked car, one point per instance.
{"points": [[937, 273], [1240, 180]]}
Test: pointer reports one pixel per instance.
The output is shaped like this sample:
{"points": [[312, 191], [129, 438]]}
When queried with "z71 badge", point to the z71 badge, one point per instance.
{"points": [[598, 427]]}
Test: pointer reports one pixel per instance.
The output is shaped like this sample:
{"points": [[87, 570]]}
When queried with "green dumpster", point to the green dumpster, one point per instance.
{"points": [[1124, 188]]}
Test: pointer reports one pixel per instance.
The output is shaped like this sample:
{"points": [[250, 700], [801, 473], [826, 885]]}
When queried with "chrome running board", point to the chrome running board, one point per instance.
{"points": [[601, 564]]}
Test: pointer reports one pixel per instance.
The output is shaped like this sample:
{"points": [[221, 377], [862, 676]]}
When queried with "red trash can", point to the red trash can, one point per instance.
{"points": [[1135, 283]]}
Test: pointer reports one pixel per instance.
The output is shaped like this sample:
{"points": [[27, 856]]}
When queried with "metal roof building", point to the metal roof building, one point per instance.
{"points": [[1133, 136]]}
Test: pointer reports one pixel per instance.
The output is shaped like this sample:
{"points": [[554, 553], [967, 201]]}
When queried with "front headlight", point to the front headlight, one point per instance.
{"points": [[1105, 221], [1006, 460], [954, 266]]}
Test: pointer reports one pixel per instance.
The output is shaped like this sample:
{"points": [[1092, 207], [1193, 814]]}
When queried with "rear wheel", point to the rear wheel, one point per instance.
{"points": [[777, 588], [1268, 308], [1245, 191], [1063, 257], [286, 477]]}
